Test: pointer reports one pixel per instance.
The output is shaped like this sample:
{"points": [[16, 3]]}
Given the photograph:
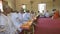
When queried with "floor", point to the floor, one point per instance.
{"points": [[47, 27]]}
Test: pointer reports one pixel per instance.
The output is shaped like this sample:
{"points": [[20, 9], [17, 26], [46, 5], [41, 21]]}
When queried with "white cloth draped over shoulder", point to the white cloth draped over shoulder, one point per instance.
{"points": [[47, 14], [26, 17], [15, 19], [12, 27], [20, 15], [6, 26], [20, 19]]}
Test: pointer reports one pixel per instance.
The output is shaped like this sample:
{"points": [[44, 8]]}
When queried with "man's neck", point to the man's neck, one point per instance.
{"points": [[5, 13]]}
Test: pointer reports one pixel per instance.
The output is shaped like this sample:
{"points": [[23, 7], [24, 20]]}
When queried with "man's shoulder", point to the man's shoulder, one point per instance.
{"points": [[4, 17]]}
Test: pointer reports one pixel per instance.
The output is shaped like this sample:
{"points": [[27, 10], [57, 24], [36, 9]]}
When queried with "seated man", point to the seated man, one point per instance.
{"points": [[47, 14], [42, 14]]}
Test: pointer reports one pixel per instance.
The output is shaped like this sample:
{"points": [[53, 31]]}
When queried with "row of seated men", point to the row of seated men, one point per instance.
{"points": [[54, 13], [11, 21]]}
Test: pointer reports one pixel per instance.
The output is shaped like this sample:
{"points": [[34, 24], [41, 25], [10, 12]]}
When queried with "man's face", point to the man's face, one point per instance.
{"points": [[7, 10]]}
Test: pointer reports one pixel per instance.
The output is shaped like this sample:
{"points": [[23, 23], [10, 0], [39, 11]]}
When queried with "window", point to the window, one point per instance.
{"points": [[1, 7], [42, 7]]}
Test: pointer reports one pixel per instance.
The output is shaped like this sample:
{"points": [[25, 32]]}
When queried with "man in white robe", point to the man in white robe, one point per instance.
{"points": [[47, 14], [6, 15], [27, 16], [13, 28], [15, 20], [6, 26], [15, 17], [20, 15]]}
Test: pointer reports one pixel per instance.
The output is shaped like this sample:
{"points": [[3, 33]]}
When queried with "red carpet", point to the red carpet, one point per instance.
{"points": [[47, 26]]}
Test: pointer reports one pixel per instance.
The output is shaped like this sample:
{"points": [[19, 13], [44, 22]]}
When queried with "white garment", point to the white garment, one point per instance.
{"points": [[47, 14], [42, 14], [20, 15], [33, 16], [5, 25], [12, 27], [26, 17], [15, 19]]}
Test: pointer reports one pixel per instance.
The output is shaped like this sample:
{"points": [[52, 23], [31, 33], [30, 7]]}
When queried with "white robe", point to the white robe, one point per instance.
{"points": [[5, 25], [12, 27], [20, 16], [26, 17], [47, 14], [15, 19]]}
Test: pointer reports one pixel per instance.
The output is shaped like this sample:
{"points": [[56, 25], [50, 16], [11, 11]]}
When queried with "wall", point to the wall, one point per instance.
{"points": [[35, 4], [20, 2], [11, 3]]}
